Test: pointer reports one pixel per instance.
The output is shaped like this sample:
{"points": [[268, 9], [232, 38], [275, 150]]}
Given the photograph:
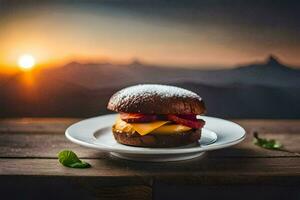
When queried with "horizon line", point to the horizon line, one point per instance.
{"points": [[153, 64]]}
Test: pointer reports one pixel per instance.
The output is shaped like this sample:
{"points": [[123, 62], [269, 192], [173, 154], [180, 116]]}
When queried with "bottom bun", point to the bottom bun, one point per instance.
{"points": [[152, 140]]}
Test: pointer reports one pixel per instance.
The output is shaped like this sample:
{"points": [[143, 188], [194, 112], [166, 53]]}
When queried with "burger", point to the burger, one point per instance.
{"points": [[152, 115]]}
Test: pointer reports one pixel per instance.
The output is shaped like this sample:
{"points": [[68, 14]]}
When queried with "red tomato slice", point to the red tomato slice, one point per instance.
{"points": [[137, 117], [196, 123]]}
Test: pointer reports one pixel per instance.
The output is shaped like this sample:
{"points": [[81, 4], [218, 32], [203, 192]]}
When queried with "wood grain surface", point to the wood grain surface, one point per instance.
{"points": [[29, 148]]}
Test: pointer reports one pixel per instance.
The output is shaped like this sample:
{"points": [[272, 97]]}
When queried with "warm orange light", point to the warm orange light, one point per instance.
{"points": [[26, 62]]}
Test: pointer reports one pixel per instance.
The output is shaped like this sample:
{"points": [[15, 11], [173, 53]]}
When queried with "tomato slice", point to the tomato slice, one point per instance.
{"points": [[137, 117], [186, 120], [194, 123]]}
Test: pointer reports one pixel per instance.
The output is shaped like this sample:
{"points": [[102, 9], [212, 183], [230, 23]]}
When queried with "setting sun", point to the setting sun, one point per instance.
{"points": [[26, 62]]}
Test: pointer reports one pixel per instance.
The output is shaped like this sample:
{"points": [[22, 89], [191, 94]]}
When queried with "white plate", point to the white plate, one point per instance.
{"points": [[96, 133]]}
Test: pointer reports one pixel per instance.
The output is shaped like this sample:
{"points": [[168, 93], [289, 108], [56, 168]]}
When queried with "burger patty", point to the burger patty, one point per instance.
{"points": [[153, 140]]}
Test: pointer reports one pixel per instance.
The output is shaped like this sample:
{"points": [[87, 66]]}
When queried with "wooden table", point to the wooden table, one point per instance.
{"points": [[29, 168]]}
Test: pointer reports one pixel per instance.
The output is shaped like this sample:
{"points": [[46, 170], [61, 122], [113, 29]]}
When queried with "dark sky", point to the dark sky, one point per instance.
{"points": [[266, 23], [191, 33]]}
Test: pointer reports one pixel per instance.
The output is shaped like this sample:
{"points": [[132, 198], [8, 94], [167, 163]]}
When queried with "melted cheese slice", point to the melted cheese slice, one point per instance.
{"points": [[145, 128], [156, 127], [168, 129]]}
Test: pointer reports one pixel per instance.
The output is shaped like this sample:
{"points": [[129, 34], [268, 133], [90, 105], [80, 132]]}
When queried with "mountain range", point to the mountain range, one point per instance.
{"points": [[268, 89]]}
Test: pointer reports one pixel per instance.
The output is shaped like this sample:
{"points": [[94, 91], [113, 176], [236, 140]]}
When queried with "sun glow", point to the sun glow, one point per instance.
{"points": [[26, 62]]}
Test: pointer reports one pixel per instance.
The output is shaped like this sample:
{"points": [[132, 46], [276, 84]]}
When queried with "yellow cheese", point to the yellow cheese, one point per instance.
{"points": [[156, 127], [145, 128], [141, 128], [170, 129], [123, 126]]}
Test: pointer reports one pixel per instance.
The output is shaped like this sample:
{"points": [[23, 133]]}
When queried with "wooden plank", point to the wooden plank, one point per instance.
{"points": [[124, 192], [65, 187], [40, 125], [28, 163], [48, 145], [40, 145], [202, 171], [273, 126], [248, 149], [217, 192]]}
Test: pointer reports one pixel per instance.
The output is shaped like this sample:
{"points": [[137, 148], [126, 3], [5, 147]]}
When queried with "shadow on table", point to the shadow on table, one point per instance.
{"points": [[244, 192]]}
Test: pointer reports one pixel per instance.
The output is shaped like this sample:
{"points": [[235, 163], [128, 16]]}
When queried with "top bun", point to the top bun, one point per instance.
{"points": [[156, 99]]}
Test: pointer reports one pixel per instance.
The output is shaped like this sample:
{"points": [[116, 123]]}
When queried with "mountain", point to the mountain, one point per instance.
{"points": [[268, 89], [96, 76], [270, 73]]}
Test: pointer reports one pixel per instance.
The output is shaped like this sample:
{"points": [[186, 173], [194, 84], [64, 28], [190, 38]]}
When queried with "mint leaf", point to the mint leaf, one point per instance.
{"points": [[69, 159], [271, 144], [267, 143]]}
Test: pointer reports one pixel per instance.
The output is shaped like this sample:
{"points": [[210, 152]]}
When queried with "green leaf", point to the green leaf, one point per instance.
{"points": [[69, 159], [267, 143]]}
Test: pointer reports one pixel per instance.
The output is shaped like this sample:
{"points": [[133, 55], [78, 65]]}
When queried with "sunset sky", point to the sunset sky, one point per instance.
{"points": [[179, 33]]}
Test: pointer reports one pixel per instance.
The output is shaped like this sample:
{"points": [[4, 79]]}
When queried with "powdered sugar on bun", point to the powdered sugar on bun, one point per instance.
{"points": [[157, 99], [149, 90]]}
